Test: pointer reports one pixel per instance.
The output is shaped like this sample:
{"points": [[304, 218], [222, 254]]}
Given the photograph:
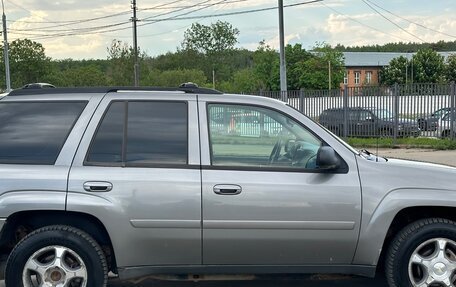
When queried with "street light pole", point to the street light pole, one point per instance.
{"points": [[283, 67], [5, 48], [135, 43]]}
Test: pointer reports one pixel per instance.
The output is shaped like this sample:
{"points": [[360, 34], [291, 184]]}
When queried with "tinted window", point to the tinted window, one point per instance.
{"points": [[157, 133], [107, 144], [34, 133], [261, 138]]}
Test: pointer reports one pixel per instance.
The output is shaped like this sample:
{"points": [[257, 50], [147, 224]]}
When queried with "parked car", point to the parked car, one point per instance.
{"points": [[136, 181], [444, 126], [38, 86], [367, 122], [430, 122]]}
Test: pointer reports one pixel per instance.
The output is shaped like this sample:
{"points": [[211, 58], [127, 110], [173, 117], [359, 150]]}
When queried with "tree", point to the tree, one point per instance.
{"points": [[174, 78], [295, 56], [122, 59], [28, 62], [395, 72], [451, 68], [209, 40], [428, 67], [314, 72], [266, 67]]}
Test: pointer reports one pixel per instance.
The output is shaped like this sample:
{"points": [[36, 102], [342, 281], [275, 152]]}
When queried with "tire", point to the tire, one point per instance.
{"points": [[418, 242], [77, 249]]}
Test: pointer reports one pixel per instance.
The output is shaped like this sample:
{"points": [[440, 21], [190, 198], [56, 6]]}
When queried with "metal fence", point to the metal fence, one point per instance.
{"points": [[426, 110]]}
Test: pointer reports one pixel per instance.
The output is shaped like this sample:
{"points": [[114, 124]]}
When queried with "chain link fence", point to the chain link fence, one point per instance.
{"points": [[414, 110]]}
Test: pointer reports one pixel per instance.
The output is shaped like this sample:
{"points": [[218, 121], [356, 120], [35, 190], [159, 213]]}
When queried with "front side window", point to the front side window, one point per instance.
{"points": [[34, 132], [137, 133], [248, 136]]}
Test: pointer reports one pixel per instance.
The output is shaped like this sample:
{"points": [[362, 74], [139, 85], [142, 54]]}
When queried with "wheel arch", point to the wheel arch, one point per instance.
{"points": [[19, 224]]}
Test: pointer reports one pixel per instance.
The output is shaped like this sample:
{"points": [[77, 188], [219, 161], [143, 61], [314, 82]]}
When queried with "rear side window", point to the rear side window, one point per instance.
{"points": [[34, 132], [141, 133]]}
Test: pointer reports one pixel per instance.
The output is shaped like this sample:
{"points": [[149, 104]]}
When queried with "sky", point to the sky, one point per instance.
{"points": [[83, 29]]}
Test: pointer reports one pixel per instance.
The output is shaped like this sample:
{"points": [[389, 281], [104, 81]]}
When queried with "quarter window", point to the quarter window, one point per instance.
{"points": [[141, 134], [247, 136], [34, 133]]}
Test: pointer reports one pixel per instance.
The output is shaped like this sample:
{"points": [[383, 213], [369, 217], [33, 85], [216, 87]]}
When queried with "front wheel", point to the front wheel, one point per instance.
{"points": [[56, 256], [423, 254]]}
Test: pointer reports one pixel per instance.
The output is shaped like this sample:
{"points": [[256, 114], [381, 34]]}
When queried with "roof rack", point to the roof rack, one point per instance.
{"points": [[186, 89]]}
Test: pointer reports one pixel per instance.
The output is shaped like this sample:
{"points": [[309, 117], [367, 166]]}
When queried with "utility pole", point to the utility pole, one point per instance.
{"points": [[283, 66], [134, 19], [5, 48]]}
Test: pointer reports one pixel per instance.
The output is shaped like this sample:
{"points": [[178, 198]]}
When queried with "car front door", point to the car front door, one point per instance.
{"points": [[264, 200], [137, 170]]}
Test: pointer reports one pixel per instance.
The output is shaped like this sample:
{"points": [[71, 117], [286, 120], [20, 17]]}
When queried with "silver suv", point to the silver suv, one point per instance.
{"points": [[165, 181]]}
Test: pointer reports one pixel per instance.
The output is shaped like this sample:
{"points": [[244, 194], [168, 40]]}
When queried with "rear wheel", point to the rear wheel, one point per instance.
{"points": [[423, 254], [56, 256]]}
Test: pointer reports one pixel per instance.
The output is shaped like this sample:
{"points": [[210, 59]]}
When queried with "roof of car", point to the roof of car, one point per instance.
{"points": [[104, 90]]}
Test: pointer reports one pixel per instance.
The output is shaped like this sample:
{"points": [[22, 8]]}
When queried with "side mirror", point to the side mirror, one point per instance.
{"points": [[327, 158], [370, 119]]}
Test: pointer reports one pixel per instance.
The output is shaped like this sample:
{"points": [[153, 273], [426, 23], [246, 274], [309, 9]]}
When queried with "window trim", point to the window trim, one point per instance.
{"points": [[123, 163], [357, 79], [343, 169], [85, 102]]}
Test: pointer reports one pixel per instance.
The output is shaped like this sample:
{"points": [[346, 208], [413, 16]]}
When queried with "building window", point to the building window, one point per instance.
{"points": [[357, 77], [346, 78], [368, 77]]}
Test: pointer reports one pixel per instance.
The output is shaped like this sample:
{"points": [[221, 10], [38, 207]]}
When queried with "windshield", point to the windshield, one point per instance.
{"points": [[383, 114]]}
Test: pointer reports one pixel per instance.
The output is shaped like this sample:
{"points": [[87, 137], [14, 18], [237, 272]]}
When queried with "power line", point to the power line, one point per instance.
{"points": [[412, 22], [392, 22], [234, 13], [70, 21], [361, 23]]}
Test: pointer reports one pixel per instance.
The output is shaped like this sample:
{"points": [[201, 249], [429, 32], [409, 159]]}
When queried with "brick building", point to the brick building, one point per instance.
{"points": [[362, 68]]}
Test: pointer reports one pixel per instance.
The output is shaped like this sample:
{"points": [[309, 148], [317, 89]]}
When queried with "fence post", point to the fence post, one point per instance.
{"points": [[301, 100], [396, 112], [453, 112], [345, 106]]}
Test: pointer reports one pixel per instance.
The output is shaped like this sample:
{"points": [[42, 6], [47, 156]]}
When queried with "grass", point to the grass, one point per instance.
{"points": [[425, 143]]}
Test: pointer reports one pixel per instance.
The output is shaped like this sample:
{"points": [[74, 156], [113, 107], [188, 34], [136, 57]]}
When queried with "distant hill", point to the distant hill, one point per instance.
{"points": [[440, 46]]}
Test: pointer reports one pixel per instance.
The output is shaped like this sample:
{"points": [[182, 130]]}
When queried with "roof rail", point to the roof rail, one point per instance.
{"points": [[185, 89]]}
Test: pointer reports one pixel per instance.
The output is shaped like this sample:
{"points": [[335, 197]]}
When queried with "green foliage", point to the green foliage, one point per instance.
{"points": [[209, 40], [451, 68], [428, 67], [295, 56], [314, 72], [85, 76], [173, 78], [395, 72], [266, 67], [244, 81], [439, 46], [28, 62], [121, 68], [427, 143]]}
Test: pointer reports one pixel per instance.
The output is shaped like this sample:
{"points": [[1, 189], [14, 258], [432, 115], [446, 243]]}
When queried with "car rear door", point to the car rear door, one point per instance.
{"points": [[264, 207], [138, 171]]}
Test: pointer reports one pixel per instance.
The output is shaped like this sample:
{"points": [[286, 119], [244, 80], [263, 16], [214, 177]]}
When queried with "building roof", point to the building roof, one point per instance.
{"points": [[378, 59]]}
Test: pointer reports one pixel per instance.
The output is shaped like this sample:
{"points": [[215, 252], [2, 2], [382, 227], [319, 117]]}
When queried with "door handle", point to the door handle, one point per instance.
{"points": [[227, 189], [97, 186]]}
